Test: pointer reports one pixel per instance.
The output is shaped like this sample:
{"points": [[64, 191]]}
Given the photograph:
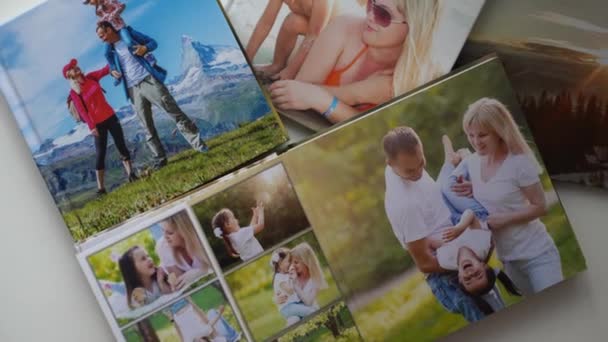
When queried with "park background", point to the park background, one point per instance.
{"points": [[253, 290], [340, 180], [210, 297], [208, 75], [334, 324], [283, 213]]}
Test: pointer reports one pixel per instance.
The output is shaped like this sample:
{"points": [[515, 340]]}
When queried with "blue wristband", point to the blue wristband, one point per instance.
{"points": [[332, 108]]}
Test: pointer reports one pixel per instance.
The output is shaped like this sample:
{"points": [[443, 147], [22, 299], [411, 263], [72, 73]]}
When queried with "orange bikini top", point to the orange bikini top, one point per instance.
{"points": [[334, 79]]}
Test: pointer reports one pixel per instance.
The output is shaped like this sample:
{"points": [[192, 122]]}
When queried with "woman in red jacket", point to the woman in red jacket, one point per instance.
{"points": [[90, 102]]}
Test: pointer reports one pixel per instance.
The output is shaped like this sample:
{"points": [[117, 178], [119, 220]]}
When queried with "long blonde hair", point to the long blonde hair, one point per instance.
{"points": [[492, 114], [415, 65], [183, 226], [307, 255]]}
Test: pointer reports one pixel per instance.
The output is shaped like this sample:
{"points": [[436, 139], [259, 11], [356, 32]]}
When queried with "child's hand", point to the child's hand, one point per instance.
{"points": [[221, 309], [140, 50], [117, 75], [451, 233]]}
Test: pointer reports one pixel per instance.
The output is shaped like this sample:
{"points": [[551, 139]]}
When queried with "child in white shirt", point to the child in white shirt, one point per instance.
{"points": [[292, 309], [239, 242]]}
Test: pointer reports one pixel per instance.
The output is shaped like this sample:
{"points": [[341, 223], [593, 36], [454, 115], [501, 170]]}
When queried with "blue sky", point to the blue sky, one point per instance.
{"points": [[35, 47]]}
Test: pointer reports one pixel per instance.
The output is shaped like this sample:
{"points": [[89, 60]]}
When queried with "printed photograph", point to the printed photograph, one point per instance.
{"points": [[334, 324], [204, 316], [557, 60], [251, 217], [126, 105], [151, 267], [437, 210], [282, 288], [326, 61]]}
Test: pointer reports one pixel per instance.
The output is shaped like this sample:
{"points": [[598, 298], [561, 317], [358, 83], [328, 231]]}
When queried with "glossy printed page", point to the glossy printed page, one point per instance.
{"points": [[436, 210], [557, 60], [128, 105], [327, 61]]}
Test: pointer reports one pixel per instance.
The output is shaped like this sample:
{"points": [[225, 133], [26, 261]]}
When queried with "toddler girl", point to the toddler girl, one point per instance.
{"points": [[239, 242]]}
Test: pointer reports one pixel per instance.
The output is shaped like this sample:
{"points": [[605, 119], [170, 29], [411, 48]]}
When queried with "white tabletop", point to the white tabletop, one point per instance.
{"points": [[44, 294]]}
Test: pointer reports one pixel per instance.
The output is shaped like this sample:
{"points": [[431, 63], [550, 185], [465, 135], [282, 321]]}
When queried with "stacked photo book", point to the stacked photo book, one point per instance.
{"points": [[311, 170]]}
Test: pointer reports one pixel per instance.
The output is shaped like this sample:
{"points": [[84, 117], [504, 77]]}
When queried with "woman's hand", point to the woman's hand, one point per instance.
{"points": [[498, 221], [117, 75], [95, 132], [463, 187], [298, 95], [187, 278]]}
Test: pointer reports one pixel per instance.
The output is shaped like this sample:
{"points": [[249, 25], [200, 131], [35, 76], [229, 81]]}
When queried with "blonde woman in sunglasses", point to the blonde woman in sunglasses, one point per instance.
{"points": [[358, 63]]}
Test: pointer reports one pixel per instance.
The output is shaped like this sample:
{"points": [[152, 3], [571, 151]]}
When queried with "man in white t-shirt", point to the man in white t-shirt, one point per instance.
{"points": [[417, 213]]}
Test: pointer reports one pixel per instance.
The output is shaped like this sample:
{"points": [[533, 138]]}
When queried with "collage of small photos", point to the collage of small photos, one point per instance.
{"points": [[245, 256], [311, 170]]}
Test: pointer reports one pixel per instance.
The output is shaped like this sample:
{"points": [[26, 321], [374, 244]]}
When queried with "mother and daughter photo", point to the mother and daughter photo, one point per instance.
{"points": [[490, 199], [158, 263], [283, 287]]}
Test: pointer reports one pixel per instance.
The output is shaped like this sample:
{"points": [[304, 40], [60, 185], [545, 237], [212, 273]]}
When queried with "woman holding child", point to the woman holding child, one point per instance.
{"points": [[298, 278], [356, 63], [504, 178]]}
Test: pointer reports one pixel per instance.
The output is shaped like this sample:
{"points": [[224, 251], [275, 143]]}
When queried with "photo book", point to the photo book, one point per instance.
{"points": [[324, 62], [557, 61], [159, 141]]}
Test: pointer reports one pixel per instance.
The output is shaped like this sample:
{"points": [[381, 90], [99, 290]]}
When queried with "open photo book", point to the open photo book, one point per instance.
{"points": [[192, 221]]}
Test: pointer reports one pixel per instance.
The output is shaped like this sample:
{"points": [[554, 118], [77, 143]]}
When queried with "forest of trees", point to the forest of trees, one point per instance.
{"points": [[570, 130]]}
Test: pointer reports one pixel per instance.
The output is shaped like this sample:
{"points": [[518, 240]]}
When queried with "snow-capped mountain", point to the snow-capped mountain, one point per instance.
{"points": [[211, 75], [212, 60]]}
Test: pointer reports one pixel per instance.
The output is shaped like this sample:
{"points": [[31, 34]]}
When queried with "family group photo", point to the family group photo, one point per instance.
{"points": [[326, 61], [151, 267], [251, 216], [203, 316], [556, 60], [283, 288], [442, 211], [129, 104]]}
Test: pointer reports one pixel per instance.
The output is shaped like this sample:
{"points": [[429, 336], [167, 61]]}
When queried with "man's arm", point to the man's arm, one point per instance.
{"points": [[424, 259], [262, 28]]}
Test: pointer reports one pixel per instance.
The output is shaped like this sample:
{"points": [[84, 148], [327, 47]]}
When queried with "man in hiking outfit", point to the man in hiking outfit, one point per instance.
{"points": [[143, 81]]}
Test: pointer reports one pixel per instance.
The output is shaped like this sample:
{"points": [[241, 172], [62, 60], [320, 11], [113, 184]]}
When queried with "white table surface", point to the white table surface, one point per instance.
{"points": [[44, 294]]}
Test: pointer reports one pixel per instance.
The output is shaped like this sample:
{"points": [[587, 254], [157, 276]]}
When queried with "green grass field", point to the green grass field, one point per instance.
{"points": [[409, 311], [185, 172], [317, 329]]}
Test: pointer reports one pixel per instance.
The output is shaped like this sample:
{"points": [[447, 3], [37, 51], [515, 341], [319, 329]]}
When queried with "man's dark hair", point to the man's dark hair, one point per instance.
{"points": [[400, 139], [105, 25]]}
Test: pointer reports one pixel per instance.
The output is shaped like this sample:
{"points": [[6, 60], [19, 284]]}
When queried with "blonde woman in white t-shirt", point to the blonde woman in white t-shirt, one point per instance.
{"points": [[240, 241], [181, 252], [307, 277], [504, 178]]}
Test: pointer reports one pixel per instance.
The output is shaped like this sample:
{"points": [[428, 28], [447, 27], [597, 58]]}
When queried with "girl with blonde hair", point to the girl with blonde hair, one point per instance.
{"points": [[357, 63], [181, 252], [504, 178], [307, 276]]}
